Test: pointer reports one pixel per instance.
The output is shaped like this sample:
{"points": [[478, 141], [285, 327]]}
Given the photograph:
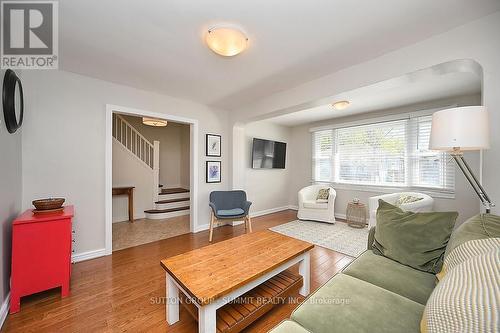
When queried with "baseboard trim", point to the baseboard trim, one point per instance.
{"points": [[341, 216], [124, 218], [261, 213], [77, 257], [199, 228], [4, 310], [269, 211]]}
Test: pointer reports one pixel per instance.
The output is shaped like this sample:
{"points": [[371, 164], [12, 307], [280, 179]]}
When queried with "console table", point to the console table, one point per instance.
{"points": [[128, 191], [41, 254]]}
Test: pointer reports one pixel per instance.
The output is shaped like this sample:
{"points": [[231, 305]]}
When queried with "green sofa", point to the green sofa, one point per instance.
{"points": [[376, 294]]}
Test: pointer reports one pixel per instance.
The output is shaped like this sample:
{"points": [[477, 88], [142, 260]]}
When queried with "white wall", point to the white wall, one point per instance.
{"points": [[185, 161], [266, 188], [174, 150], [130, 171], [10, 195], [465, 201], [64, 144], [477, 40]]}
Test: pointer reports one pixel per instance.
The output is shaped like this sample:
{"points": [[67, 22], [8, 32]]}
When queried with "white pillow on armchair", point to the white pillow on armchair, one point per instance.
{"points": [[425, 204]]}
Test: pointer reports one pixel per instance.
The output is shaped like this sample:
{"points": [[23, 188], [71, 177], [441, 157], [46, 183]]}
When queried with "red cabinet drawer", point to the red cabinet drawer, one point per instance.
{"points": [[41, 254]]}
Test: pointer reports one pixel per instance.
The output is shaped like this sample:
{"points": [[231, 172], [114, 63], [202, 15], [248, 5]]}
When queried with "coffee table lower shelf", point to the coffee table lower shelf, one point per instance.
{"points": [[238, 314]]}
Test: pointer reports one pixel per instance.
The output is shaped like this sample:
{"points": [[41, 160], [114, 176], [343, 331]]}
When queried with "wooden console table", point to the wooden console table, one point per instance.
{"points": [[129, 191]]}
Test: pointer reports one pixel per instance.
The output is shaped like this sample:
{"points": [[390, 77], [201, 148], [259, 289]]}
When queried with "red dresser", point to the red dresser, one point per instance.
{"points": [[41, 254]]}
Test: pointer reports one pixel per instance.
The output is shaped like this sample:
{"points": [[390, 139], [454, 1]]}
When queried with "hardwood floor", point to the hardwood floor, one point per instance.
{"points": [[124, 291]]}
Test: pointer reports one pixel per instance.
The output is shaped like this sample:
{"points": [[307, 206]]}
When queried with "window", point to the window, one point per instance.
{"points": [[392, 153]]}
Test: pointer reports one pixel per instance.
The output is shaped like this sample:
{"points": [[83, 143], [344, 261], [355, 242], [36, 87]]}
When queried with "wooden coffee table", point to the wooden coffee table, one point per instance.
{"points": [[215, 275]]}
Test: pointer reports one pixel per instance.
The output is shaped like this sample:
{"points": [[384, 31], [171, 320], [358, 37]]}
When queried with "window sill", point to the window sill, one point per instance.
{"points": [[387, 189]]}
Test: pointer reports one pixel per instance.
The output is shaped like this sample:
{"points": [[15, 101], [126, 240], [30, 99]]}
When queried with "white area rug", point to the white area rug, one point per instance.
{"points": [[338, 237]]}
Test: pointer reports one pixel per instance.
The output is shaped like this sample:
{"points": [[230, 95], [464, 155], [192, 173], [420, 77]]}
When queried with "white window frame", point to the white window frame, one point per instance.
{"points": [[435, 192]]}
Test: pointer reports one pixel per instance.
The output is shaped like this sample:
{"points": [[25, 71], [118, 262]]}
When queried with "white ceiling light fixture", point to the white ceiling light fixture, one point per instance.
{"points": [[154, 122], [341, 105], [226, 40]]}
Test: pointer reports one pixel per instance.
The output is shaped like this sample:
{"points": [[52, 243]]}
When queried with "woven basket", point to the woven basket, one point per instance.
{"points": [[50, 203]]}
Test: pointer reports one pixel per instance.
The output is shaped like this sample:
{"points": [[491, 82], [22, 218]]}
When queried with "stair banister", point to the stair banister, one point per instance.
{"points": [[140, 147], [156, 168]]}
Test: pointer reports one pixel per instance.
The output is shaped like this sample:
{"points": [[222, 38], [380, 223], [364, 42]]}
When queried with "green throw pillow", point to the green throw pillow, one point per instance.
{"points": [[417, 240]]}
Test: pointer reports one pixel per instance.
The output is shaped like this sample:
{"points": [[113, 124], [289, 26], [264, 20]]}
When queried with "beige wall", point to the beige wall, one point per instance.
{"points": [[10, 196], [130, 171], [174, 150], [477, 40], [64, 144], [465, 201], [266, 188], [185, 161]]}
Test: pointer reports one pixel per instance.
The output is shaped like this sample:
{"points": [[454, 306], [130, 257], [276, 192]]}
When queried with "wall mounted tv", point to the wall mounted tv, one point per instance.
{"points": [[267, 154]]}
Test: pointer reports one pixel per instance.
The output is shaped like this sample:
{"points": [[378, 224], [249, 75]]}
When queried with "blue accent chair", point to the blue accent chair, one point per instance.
{"points": [[229, 205]]}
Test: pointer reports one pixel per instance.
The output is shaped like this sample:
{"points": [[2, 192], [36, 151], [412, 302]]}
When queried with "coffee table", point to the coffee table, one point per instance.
{"points": [[212, 276]]}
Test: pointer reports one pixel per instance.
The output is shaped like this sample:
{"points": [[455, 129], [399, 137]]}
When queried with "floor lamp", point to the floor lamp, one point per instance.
{"points": [[462, 129]]}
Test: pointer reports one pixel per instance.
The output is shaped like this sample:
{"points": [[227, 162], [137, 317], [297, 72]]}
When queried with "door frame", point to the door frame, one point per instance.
{"points": [[193, 163]]}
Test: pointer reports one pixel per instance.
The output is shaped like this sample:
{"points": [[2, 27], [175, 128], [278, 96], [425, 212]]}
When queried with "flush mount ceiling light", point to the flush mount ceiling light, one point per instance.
{"points": [[226, 41], [340, 105], [154, 122]]}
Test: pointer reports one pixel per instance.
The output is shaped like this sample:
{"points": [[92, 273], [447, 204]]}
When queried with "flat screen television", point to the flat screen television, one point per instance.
{"points": [[267, 154]]}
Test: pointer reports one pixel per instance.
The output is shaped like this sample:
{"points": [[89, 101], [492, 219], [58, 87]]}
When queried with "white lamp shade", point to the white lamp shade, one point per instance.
{"points": [[462, 128]]}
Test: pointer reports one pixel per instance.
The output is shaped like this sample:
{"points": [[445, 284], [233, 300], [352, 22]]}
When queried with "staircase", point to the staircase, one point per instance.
{"points": [[167, 202], [171, 202]]}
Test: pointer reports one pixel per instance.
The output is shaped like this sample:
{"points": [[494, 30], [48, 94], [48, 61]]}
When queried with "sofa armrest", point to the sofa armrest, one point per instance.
{"points": [[371, 238]]}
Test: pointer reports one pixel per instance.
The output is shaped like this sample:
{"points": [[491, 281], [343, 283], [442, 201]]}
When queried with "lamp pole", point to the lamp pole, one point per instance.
{"points": [[458, 156]]}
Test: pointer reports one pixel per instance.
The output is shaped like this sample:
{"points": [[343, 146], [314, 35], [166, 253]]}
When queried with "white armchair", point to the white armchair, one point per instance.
{"points": [[309, 209], [424, 205]]}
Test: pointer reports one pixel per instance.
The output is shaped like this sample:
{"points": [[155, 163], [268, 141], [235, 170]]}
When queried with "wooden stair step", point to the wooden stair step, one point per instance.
{"points": [[161, 211], [241, 312], [174, 190], [171, 200]]}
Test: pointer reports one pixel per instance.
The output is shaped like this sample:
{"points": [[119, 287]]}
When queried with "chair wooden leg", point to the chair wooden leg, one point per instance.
{"points": [[249, 223], [212, 218]]}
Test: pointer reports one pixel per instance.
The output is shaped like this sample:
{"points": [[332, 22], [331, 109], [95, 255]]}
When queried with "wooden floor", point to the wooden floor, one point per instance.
{"points": [[124, 291]]}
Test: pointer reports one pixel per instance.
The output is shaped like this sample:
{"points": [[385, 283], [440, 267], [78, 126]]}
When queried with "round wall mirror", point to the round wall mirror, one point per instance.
{"points": [[12, 101]]}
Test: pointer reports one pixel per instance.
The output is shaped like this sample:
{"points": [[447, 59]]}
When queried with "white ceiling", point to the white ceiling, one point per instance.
{"points": [[158, 45], [437, 82]]}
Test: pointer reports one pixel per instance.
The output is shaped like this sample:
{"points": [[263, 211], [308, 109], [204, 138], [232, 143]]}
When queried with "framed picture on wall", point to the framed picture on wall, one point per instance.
{"points": [[213, 172], [213, 148]]}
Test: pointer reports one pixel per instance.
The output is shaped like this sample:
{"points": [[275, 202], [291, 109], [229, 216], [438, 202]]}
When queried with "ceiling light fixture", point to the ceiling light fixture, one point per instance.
{"points": [[154, 122], [341, 105], [226, 41]]}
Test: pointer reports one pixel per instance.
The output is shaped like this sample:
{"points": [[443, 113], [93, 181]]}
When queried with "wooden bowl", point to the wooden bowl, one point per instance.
{"points": [[50, 203]]}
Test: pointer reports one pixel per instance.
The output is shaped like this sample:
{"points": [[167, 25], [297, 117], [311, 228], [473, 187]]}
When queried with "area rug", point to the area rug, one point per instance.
{"points": [[338, 237]]}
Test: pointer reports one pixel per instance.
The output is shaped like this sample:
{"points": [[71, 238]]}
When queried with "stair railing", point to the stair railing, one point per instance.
{"points": [[147, 152]]}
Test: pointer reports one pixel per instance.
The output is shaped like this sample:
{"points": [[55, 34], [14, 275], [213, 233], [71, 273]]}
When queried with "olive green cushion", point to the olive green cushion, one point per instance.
{"points": [[477, 227], [391, 275], [414, 239], [347, 304], [288, 326]]}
